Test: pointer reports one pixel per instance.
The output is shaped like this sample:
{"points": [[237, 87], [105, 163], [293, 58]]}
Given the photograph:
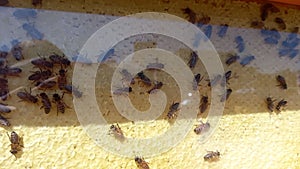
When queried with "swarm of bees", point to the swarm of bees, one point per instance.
{"points": [[44, 78]]}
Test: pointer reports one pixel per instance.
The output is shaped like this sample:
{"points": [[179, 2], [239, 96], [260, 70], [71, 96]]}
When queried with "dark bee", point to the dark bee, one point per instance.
{"points": [[4, 121], [45, 84], [172, 110], [226, 95], [203, 104], [282, 82], [157, 85], [141, 163], [16, 143], [17, 52], [36, 2], [116, 131], [74, 90], [62, 79], [215, 81], [212, 156], [280, 104], [40, 75], [60, 104], [62, 60], [191, 14], [270, 103], [4, 108], [46, 102], [232, 59], [127, 76], [197, 79], [202, 127], [226, 78], [257, 24], [204, 20], [280, 22], [42, 63], [144, 79], [193, 60], [122, 91], [3, 89], [27, 96], [7, 71], [265, 9]]}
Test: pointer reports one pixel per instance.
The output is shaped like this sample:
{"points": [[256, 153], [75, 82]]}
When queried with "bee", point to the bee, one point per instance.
{"points": [[157, 85], [27, 96], [141, 163], [16, 143], [193, 60], [282, 82], [123, 91], [60, 104], [226, 78], [280, 23], [116, 131], [204, 20], [212, 156], [62, 60], [62, 79], [226, 95], [202, 127], [203, 104], [197, 79], [172, 110], [232, 59], [270, 103], [40, 75], [215, 81], [4, 108], [3, 88], [7, 71], [36, 2], [191, 14], [265, 10], [46, 102], [17, 52], [280, 104], [4, 121], [127, 76], [42, 63], [45, 84], [257, 24], [74, 90], [144, 78]]}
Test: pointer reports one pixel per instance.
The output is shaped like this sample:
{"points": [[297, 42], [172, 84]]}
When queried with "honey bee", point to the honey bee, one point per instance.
{"points": [[172, 110], [282, 82], [27, 96], [212, 156], [60, 104], [16, 143], [141, 163], [280, 104], [46, 102], [270, 103], [116, 131], [4, 121], [62, 79], [202, 127]]}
